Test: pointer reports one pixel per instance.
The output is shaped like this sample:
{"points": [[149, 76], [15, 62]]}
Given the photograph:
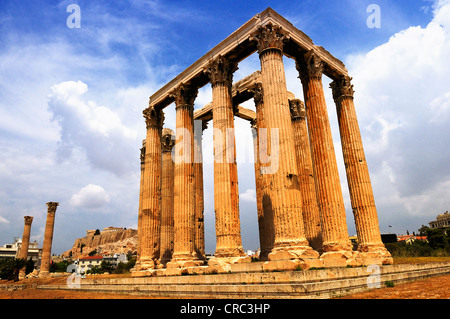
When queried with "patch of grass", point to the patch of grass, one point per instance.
{"points": [[389, 284]]}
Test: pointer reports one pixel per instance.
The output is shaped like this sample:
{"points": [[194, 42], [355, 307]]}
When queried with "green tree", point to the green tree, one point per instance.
{"points": [[29, 267], [106, 266], [437, 238], [423, 230]]}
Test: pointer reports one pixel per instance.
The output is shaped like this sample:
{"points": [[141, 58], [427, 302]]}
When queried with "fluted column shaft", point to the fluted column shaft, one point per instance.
{"points": [[184, 184], [285, 196], [358, 178], [141, 191], [263, 206], [25, 243], [26, 237], [48, 238], [151, 194], [199, 223], [167, 196], [226, 192], [311, 213], [328, 187]]}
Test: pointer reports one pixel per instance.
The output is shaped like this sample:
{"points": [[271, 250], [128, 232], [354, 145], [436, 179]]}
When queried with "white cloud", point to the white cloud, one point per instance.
{"points": [[3, 220], [402, 100], [91, 196], [249, 195], [96, 130]]}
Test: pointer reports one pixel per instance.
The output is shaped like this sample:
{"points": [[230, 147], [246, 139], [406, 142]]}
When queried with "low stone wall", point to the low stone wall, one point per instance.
{"points": [[318, 283]]}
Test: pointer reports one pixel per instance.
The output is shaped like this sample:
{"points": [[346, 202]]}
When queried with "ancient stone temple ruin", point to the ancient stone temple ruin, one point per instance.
{"points": [[48, 239], [300, 206]]}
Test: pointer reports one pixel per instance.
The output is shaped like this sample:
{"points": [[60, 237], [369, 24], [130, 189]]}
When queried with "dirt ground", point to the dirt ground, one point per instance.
{"points": [[429, 288], [437, 287]]}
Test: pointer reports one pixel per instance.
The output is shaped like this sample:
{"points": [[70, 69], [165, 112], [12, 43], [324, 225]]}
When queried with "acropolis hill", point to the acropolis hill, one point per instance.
{"points": [[110, 240]]}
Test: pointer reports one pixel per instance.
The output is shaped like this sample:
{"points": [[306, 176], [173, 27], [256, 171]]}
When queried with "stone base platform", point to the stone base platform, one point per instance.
{"points": [[249, 280]]}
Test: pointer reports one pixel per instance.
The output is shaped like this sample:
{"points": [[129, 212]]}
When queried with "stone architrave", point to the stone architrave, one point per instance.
{"points": [[149, 234], [370, 244], [226, 193], [167, 201], [284, 197], [25, 242], [48, 238], [336, 242], [184, 254], [311, 213]]}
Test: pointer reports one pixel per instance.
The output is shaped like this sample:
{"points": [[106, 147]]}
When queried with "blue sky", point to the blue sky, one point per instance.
{"points": [[71, 104]]}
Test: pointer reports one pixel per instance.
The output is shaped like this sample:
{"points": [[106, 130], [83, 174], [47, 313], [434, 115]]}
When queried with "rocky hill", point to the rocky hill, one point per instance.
{"points": [[107, 243]]}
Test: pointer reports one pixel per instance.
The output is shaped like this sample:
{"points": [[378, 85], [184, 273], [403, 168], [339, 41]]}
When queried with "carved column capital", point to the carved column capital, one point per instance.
{"points": [[297, 108], [51, 207], [258, 94], [309, 66], [28, 220], [142, 156], [167, 140], [254, 125], [184, 96], [204, 126], [269, 37], [153, 117], [341, 88], [221, 70]]}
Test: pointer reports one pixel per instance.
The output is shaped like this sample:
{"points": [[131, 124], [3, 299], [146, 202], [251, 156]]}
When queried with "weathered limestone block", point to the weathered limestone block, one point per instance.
{"points": [[184, 185], [48, 239], [141, 192], [25, 242], [328, 188], [311, 213], [361, 194], [199, 223], [284, 196], [149, 232], [226, 192], [167, 197]]}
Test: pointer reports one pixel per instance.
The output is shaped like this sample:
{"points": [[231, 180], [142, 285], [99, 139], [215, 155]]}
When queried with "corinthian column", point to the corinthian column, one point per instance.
{"points": [[25, 242], [336, 242], [285, 197], [184, 185], [149, 234], [226, 193], [199, 223], [48, 238], [141, 190], [167, 186], [264, 209], [26, 237], [361, 194], [311, 213]]}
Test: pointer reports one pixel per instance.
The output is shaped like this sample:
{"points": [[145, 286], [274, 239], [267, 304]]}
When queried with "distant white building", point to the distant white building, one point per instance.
{"points": [[116, 259], [13, 251], [86, 263], [83, 264], [442, 221]]}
